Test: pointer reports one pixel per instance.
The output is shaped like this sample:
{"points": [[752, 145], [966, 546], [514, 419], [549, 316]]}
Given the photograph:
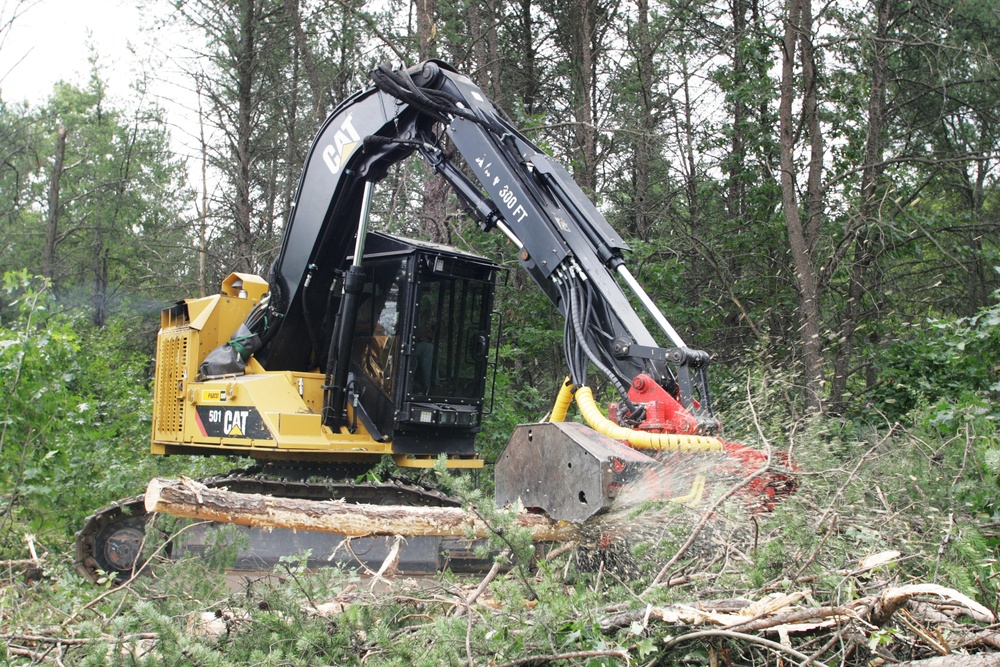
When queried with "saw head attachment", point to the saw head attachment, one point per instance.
{"points": [[566, 469]]}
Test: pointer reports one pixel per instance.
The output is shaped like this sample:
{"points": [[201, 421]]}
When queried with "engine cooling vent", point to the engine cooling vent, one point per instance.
{"points": [[171, 364]]}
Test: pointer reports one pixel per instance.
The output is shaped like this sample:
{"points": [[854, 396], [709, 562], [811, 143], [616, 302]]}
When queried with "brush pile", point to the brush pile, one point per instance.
{"points": [[885, 555]]}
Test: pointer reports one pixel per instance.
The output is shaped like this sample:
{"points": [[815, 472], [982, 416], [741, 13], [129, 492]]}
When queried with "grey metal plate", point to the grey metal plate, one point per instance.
{"points": [[565, 469]]}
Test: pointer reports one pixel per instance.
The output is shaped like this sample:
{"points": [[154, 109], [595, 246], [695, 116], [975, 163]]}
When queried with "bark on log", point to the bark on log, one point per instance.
{"points": [[188, 499]]}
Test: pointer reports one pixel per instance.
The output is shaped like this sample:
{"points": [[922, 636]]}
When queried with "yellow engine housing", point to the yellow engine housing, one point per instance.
{"points": [[261, 414]]}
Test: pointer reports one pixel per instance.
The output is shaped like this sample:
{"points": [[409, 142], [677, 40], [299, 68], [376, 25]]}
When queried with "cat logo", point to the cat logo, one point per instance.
{"points": [[217, 421], [234, 422], [344, 142]]}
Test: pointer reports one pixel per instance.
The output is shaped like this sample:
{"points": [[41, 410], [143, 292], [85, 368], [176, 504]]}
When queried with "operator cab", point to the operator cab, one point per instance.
{"points": [[421, 338]]}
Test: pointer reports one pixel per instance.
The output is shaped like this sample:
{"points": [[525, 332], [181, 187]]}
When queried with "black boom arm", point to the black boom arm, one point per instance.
{"points": [[563, 241]]}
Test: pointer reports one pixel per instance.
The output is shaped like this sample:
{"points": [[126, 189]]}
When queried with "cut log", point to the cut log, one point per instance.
{"points": [[188, 499]]}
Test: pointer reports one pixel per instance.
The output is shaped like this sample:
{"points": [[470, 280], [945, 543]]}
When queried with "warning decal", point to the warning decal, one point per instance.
{"points": [[210, 395]]}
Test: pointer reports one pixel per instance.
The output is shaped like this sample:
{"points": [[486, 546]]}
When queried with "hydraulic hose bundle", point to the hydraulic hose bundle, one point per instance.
{"points": [[577, 297], [433, 102]]}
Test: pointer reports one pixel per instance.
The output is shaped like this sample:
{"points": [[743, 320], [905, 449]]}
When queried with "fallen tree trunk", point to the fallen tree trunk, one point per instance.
{"points": [[188, 499]]}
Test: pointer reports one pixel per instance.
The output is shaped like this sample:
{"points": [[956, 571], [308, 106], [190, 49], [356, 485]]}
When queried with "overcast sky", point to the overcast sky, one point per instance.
{"points": [[48, 42]]}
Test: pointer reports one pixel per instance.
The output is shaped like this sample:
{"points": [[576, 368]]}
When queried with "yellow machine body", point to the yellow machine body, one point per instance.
{"points": [[260, 414]]}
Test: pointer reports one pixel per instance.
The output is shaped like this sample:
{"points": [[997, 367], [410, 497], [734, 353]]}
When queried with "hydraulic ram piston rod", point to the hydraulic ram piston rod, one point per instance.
{"points": [[650, 306]]}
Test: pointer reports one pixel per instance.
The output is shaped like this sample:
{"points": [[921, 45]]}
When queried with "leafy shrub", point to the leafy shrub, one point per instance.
{"points": [[74, 415], [38, 362], [941, 359]]}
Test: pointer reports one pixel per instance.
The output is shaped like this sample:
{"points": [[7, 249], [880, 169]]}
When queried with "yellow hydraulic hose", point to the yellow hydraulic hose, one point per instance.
{"points": [[563, 401], [669, 442]]}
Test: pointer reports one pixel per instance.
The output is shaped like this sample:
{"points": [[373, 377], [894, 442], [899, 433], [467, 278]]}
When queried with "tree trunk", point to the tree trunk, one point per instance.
{"points": [[291, 168], [736, 171], [482, 21], [435, 209], [189, 499], [805, 273], [810, 113], [99, 298], [203, 212], [305, 54], [493, 66], [426, 29], [246, 70], [867, 209], [686, 143], [529, 79], [645, 145], [584, 17], [52, 223]]}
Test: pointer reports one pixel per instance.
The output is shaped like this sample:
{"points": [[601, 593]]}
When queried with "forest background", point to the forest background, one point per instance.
{"points": [[809, 192]]}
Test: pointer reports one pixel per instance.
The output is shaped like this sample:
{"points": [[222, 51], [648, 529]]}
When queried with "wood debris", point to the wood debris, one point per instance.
{"points": [[784, 615]]}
